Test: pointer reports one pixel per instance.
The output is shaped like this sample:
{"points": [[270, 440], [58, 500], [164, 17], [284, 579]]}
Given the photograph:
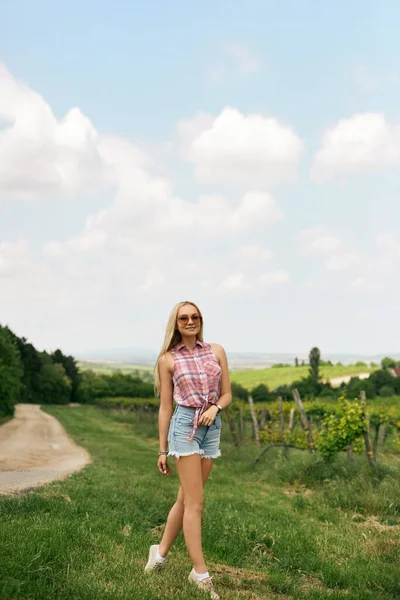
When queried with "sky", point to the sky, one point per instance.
{"points": [[241, 154]]}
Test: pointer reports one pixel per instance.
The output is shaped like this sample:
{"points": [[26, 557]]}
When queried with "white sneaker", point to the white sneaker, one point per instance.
{"points": [[152, 564], [204, 584]]}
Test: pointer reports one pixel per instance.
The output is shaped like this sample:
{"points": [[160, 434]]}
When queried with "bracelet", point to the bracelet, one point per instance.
{"points": [[162, 452]]}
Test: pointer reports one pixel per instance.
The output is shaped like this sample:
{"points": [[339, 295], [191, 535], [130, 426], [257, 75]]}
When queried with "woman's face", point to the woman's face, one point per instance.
{"points": [[188, 320]]}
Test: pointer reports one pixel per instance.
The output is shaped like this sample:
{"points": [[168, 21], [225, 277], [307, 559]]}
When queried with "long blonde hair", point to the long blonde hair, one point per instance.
{"points": [[172, 337]]}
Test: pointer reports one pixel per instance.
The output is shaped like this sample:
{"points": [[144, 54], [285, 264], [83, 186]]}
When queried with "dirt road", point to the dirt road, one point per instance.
{"points": [[35, 449], [336, 381]]}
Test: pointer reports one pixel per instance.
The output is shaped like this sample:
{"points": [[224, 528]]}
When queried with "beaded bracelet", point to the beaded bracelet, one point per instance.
{"points": [[162, 452]]}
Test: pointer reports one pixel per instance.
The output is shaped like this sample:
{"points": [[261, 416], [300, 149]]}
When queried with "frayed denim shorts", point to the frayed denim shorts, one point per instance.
{"points": [[206, 438]]}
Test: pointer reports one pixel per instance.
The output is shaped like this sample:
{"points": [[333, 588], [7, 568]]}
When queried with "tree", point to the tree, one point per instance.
{"points": [[380, 379], [261, 394], [314, 359], [71, 370], [55, 386], [10, 373], [388, 363], [238, 391], [296, 362]]}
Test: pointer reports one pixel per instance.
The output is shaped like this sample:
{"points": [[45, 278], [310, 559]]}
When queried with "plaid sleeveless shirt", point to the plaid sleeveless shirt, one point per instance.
{"points": [[196, 379]]}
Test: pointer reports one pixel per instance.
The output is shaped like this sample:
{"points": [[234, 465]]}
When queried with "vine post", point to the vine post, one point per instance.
{"points": [[304, 420], [254, 417], [282, 426], [367, 439]]}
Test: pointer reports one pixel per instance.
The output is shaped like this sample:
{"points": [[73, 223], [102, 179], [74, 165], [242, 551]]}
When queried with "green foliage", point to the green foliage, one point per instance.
{"points": [[10, 373], [357, 385], [55, 386], [388, 363], [382, 378], [71, 370], [386, 391], [130, 404], [99, 385], [342, 428], [262, 394], [314, 360], [280, 366], [239, 391]]}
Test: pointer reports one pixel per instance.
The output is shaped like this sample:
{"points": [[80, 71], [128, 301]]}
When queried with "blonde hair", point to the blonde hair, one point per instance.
{"points": [[172, 337]]}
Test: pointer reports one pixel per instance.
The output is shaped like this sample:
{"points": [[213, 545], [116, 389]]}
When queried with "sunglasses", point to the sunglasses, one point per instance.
{"points": [[184, 319]]}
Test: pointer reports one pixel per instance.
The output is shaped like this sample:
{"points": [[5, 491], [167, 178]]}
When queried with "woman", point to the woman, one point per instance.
{"points": [[195, 375]]}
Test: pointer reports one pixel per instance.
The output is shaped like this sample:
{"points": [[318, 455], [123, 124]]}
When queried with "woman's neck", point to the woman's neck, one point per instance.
{"points": [[189, 341]]}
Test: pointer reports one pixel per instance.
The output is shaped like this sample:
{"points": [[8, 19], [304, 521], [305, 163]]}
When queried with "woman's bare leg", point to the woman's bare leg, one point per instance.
{"points": [[175, 517]]}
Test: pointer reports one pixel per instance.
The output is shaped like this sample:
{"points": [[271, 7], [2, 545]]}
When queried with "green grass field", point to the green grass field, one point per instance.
{"points": [[110, 368], [284, 375], [296, 529]]}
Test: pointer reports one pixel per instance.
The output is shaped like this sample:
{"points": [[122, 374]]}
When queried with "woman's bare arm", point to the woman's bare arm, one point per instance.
{"points": [[165, 368]]}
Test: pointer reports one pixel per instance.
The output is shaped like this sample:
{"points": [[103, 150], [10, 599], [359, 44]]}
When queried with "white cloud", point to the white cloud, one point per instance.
{"points": [[253, 252], [343, 261], [319, 239], [273, 278], [248, 149], [39, 154], [361, 284], [362, 143], [236, 282], [190, 129], [243, 57]]}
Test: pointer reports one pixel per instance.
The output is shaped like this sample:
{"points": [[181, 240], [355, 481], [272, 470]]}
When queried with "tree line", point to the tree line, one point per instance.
{"points": [[31, 376], [381, 382]]}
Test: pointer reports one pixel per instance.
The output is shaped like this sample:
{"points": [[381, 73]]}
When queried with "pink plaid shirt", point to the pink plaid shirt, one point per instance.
{"points": [[196, 379]]}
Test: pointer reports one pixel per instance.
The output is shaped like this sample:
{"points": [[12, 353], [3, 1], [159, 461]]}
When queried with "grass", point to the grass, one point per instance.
{"points": [[296, 529], [273, 377], [110, 368]]}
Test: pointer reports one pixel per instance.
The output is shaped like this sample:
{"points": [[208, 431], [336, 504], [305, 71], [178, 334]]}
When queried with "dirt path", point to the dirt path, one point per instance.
{"points": [[35, 449], [336, 381]]}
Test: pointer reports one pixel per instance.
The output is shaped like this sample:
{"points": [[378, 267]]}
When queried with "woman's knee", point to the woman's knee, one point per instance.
{"points": [[194, 505]]}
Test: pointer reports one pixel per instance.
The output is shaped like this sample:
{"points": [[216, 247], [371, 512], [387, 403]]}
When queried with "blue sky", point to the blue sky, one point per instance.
{"points": [[241, 154]]}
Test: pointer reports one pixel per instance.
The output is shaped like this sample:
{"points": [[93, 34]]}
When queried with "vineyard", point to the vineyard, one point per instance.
{"points": [[327, 427]]}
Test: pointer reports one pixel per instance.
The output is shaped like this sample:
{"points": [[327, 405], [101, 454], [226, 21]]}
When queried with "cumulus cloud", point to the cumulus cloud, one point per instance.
{"points": [[147, 241], [39, 154], [362, 143], [248, 149]]}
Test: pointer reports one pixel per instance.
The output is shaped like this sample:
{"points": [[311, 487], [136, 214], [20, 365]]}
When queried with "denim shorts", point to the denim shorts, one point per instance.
{"points": [[206, 438]]}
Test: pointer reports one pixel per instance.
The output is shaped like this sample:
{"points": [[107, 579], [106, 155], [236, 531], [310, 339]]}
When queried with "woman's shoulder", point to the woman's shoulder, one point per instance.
{"points": [[215, 346], [218, 350], [166, 361]]}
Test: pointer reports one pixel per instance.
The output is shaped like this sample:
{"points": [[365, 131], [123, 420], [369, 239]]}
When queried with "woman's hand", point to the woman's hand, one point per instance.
{"points": [[162, 465], [208, 416]]}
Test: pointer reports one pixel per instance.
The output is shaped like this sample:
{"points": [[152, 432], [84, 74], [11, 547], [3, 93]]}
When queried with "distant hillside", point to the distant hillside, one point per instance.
{"points": [[237, 360]]}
